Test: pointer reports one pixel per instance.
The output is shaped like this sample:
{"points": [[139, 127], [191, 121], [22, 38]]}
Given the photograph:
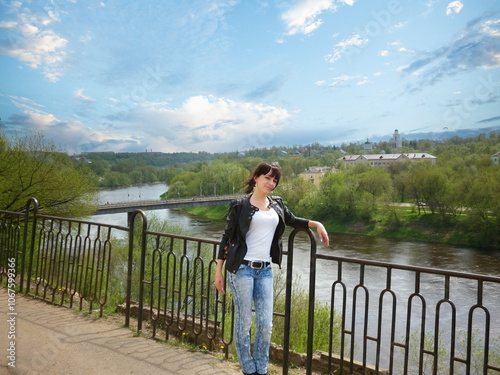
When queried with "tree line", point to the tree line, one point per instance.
{"points": [[457, 199], [461, 190]]}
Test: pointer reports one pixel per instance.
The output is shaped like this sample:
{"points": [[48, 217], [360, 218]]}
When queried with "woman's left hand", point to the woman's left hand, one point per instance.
{"points": [[322, 233]]}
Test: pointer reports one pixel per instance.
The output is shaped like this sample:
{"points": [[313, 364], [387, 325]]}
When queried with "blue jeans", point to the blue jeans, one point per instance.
{"points": [[255, 285]]}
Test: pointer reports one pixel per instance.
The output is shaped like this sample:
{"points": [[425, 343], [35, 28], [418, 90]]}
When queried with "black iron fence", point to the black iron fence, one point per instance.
{"points": [[408, 319], [383, 318]]}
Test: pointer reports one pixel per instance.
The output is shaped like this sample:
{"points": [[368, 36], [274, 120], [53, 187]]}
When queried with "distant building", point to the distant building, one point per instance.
{"points": [[367, 146], [495, 157], [396, 141], [81, 159], [315, 174], [381, 160]]}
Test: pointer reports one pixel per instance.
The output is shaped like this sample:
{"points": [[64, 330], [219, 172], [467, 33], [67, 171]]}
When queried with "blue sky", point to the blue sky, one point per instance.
{"points": [[217, 76]]}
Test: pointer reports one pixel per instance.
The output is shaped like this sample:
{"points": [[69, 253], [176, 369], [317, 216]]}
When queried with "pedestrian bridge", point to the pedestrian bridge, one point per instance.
{"points": [[162, 204]]}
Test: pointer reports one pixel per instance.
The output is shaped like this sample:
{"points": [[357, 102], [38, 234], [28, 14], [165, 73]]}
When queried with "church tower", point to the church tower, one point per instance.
{"points": [[396, 141]]}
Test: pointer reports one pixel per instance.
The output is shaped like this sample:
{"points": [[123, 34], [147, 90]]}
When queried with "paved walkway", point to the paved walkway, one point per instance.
{"points": [[57, 341]]}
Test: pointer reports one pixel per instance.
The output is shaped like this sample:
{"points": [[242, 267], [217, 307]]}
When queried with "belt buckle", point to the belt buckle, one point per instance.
{"points": [[252, 265]]}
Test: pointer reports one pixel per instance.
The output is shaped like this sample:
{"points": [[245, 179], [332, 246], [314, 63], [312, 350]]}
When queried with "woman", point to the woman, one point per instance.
{"points": [[250, 242]]}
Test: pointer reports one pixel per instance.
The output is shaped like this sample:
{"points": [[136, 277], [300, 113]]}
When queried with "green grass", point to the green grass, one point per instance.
{"points": [[209, 212], [405, 223]]}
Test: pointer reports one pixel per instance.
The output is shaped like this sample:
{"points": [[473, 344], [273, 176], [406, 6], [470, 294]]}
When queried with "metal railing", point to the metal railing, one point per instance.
{"points": [[401, 319], [59, 260], [384, 318], [174, 280]]}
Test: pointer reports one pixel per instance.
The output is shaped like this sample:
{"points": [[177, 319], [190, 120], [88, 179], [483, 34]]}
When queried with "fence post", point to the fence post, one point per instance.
{"points": [[312, 298], [32, 243], [131, 225], [288, 302]]}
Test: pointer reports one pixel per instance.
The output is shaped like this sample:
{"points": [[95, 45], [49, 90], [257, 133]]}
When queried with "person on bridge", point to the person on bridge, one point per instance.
{"points": [[250, 242]]}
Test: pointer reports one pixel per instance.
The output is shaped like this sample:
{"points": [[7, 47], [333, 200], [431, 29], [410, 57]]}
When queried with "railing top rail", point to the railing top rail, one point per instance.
{"points": [[430, 270], [80, 221], [170, 200], [180, 237], [12, 213]]}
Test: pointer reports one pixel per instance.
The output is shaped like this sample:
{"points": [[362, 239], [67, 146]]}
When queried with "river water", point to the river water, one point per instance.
{"points": [[362, 247], [353, 246]]}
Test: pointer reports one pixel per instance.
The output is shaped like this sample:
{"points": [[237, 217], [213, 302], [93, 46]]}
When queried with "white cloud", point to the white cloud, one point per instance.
{"points": [[40, 48], [454, 7], [14, 4], [25, 103], [30, 41], [78, 93], [397, 47], [348, 2], [8, 24], [210, 124], [344, 45], [342, 80], [397, 27], [491, 28], [200, 123], [29, 29], [430, 5], [475, 47], [406, 51], [364, 81], [72, 136], [303, 17]]}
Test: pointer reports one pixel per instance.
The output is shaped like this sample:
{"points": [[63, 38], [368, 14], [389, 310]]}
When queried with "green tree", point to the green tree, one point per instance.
{"points": [[116, 179], [31, 166], [293, 191], [435, 186], [376, 182], [223, 178], [177, 190]]}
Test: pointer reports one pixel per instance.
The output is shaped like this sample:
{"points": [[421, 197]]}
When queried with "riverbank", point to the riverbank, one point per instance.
{"points": [[408, 225]]}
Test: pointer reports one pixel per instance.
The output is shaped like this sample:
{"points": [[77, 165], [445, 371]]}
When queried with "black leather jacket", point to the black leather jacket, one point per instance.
{"points": [[233, 246]]}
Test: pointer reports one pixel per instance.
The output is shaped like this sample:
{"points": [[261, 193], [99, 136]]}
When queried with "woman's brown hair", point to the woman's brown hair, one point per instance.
{"points": [[262, 169]]}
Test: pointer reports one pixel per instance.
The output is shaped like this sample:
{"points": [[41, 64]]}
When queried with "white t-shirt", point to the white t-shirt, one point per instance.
{"points": [[260, 235]]}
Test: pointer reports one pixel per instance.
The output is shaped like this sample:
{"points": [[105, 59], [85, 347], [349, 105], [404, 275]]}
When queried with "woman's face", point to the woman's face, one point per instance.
{"points": [[265, 183]]}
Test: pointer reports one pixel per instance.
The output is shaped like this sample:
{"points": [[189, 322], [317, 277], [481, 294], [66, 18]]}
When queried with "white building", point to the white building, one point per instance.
{"points": [[315, 174], [396, 141], [367, 146], [495, 157], [381, 160]]}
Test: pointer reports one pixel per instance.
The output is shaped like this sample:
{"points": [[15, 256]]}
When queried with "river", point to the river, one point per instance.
{"points": [[431, 255], [363, 247]]}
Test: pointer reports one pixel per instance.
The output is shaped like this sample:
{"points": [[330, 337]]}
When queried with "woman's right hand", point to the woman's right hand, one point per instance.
{"points": [[219, 277], [219, 282]]}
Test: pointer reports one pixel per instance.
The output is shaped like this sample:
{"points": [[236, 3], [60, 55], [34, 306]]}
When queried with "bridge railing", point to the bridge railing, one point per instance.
{"points": [[160, 204], [450, 321]]}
